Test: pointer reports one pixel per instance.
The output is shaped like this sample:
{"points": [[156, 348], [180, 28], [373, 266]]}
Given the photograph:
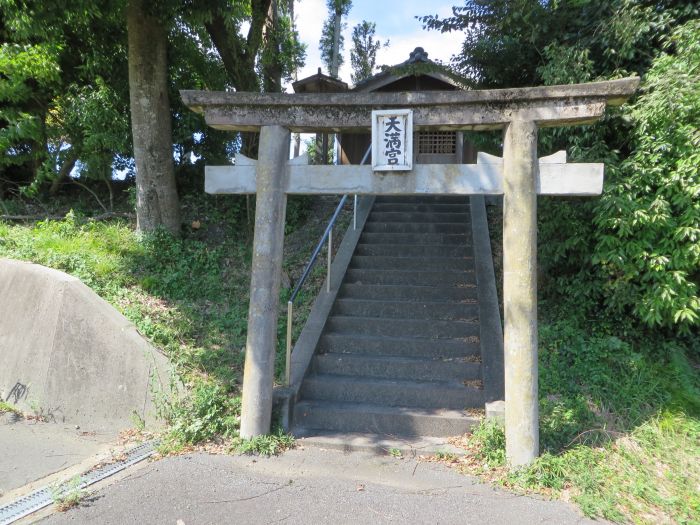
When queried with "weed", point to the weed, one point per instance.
{"points": [[137, 421], [7, 407], [490, 441], [206, 412], [267, 445], [395, 453], [448, 457], [67, 495]]}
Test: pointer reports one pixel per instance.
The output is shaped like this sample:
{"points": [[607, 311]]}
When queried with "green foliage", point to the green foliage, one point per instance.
{"points": [[67, 495], [188, 296], [267, 445], [93, 252], [284, 51], [490, 439], [500, 37], [446, 456], [336, 10], [505, 40], [64, 94], [363, 56], [7, 407], [62, 90], [206, 412], [314, 151], [298, 208], [632, 255], [649, 245], [648, 476], [168, 264]]}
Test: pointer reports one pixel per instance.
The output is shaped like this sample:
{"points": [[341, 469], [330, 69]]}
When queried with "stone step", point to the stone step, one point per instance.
{"points": [[464, 349], [377, 262], [410, 278], [417, 328], [404, 368], [376, 444], [417, 227], [374, 419], [391, 392], [437, 239], [414, 250], [413, 217], [406, 309], [421, 207], [422, 199], [392, 292], [399, 353]]}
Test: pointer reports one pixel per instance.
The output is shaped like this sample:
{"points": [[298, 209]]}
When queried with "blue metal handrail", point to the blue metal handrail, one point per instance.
{"points": [[327, 234]]}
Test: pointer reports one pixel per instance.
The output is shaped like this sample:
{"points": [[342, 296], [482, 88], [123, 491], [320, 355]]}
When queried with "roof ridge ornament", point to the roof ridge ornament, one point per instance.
{"points": [[418, 55]]}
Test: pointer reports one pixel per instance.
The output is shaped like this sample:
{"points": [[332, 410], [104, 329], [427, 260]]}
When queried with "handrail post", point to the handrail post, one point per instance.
{"points": [[330, 253], [354, 212], [287, 369]]}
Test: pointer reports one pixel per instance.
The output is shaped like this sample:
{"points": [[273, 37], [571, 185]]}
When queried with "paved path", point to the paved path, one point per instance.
{"points": [[30, 450], [307, 486]]}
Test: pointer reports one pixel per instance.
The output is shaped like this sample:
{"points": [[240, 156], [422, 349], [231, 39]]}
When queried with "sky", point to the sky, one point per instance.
{"points": [[395, 21]]}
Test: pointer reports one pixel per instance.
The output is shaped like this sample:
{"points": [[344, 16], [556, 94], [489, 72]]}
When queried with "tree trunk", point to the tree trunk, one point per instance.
{"points": [[272, 70], [157, 202], [63, 173], [336, 44]]}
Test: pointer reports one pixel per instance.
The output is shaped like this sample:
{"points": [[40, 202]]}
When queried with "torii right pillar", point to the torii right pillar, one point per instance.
{"points": [[520, 171]]}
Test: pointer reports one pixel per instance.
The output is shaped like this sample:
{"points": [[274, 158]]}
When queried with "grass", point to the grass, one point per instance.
{"points": [[8, 408], [619, 426], [619, 414], [269, 445], [67, 495], [188, 296]]}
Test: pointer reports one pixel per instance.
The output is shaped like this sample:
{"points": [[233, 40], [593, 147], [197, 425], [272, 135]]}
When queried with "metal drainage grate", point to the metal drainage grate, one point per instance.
{"points": [[41, 498]]}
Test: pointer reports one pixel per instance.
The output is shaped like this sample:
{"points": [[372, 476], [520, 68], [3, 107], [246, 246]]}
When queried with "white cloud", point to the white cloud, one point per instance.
{"points": [[395, 23], [310, 15]]}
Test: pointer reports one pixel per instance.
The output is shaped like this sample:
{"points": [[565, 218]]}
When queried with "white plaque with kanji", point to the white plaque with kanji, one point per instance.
{"points": [[392, 140]]}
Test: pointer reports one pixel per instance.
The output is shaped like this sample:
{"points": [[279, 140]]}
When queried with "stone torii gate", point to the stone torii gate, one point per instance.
{"points": [[519, 177]]}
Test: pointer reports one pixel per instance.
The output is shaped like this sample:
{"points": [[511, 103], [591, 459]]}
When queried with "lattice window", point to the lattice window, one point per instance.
{"points": [[440, 142]]}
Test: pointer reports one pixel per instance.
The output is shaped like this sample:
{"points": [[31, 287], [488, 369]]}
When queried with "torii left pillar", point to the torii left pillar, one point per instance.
{"points": [[520, 172], [268, 242]]}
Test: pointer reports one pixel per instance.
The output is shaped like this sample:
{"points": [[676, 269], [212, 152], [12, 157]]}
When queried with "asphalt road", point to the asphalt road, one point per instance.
{"points": [[30, 451], [307, 486]]}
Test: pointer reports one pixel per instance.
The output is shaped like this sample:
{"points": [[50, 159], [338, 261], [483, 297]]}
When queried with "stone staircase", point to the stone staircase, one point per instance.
{"points": [[399, 354]]}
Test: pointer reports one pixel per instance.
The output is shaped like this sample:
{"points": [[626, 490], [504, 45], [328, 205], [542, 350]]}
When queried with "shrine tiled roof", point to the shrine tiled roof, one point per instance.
{"points": [[417, 64]]}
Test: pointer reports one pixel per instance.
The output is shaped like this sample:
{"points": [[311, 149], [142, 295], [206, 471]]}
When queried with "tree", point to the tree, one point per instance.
{"points": [[282, 53], [271, 38], [63, 93], [363, 56], [649, 241], [157, 203], [633, 252], [332, 41]]}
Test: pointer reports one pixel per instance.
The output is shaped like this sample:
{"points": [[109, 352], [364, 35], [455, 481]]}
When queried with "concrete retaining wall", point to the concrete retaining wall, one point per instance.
{"points": [[68, 355]]}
